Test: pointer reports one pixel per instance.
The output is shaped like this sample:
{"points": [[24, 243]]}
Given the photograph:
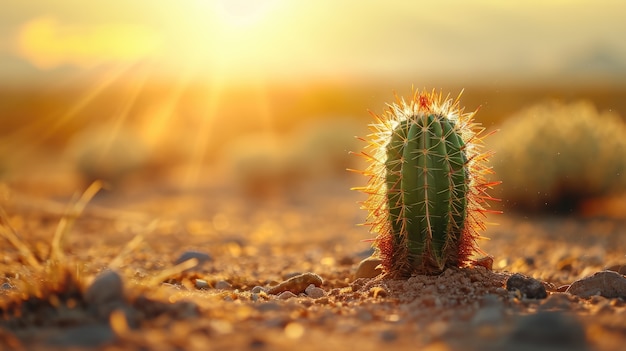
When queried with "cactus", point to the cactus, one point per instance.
{"points": [[427, 189], [563, 155]]}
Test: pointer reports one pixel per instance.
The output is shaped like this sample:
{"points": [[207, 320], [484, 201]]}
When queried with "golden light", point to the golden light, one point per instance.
{"points": [[47, 43]]}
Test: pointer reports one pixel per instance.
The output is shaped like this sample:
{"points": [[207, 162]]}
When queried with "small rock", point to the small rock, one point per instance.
{"points": [[297, 284], [605, 283], [256, 343], [285, 295], [314, 292], [546, 331], [106, 288], [388, 335], [529, 287], [369, 268], [6, 286], [201, 284], [200, 256], [106, 294], [223, 285], [257, 289]]}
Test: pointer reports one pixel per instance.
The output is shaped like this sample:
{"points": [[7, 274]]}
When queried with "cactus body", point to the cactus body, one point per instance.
{"points": [[426, 185]]}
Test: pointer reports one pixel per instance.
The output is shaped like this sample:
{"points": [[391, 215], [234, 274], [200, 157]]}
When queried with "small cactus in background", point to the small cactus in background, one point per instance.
{"points": [[427, 188], [562, 154]]}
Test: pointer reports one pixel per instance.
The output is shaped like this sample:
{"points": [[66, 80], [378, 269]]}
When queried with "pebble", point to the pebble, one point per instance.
{"points": [[546, 331], [314, 292], [106, 288], [297, 284], [285, 295], [609, 284], [106, 295], [529, 287], [201, 284], [257, 289], [369, 268], [200, 256], [6, 286], [388, 335], [223, 285]]}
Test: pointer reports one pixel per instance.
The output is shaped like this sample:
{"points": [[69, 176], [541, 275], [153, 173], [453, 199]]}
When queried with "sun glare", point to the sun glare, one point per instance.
{"points": [[48, 43], [243, 13]]}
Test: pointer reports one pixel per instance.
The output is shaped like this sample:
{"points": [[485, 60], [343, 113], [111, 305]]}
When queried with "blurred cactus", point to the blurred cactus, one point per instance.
{"points": [[263, 165], [427, 188], [551, 156], [101, 154]]}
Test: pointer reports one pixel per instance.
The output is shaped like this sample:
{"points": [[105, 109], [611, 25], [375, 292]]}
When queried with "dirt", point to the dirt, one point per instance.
{"points": [[116, 285]]}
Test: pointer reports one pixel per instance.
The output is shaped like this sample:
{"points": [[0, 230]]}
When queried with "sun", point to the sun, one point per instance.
{"points": [[242, 13]]}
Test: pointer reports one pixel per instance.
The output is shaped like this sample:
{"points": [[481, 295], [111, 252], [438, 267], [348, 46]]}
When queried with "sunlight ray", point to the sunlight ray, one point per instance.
{"points": [[157, 123], [123, 113], [43, 128], [205, 131]]}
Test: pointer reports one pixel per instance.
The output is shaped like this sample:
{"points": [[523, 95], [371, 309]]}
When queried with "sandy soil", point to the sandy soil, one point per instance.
{"points": [[250, 245]]}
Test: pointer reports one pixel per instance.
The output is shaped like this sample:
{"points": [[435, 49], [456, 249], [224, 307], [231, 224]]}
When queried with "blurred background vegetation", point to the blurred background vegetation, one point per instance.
{"points": [[268, 95]]}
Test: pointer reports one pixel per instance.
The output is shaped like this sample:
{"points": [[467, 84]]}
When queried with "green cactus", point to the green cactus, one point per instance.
{"points": [[563, 155], [427, 185]]}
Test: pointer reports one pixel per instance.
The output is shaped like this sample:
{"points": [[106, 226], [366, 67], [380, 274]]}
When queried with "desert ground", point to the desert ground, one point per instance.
{"points": [[119, 280]]}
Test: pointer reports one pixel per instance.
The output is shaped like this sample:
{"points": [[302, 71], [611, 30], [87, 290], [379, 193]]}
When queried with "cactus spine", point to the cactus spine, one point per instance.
{"points": [[427, 188]]}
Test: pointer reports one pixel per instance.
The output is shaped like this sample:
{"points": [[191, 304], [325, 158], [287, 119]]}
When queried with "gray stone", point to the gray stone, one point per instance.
{"points": [[201, 284], [605, 283], [106, 288], [529, 287], [285, 295], [314, 292], [223, 285], [257, 289], [200, 256]]}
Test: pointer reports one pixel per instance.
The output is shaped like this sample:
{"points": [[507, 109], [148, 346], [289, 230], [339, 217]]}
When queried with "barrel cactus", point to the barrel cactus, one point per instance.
{"points": [[564, 154], [427, 191]]}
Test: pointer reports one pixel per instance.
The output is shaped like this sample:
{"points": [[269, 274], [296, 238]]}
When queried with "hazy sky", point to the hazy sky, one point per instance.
{"points": [[319, 38]]}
